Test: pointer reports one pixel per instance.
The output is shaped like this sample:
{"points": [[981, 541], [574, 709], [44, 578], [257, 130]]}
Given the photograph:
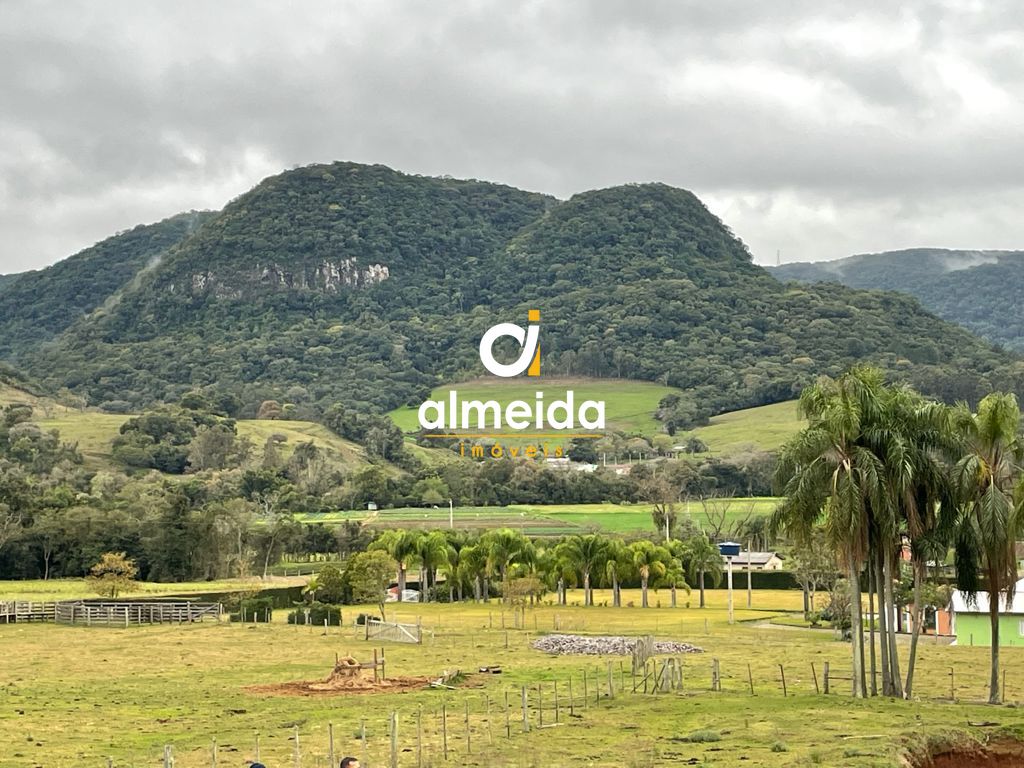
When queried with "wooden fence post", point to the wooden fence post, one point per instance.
{"points": [[298, 749], [213, 754], [444, 727], [526, 719], [825, 678], [330, 743], [419, 739], [782, 671], [750, 679], [814, 673], [611, 685], [508, 719], [393, 729], [469, 744]]}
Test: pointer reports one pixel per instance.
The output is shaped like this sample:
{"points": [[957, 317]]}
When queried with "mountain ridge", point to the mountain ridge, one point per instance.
{"points": [[354, 284], [948, 282]]}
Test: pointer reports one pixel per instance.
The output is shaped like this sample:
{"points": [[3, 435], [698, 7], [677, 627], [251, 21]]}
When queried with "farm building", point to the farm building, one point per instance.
{"points": [[970, 621], [759, 561]]}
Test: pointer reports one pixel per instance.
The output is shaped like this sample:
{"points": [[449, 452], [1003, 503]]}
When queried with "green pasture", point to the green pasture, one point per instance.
{"points": [[75, 696], [629, 405], [764, 428], [555, 519]]}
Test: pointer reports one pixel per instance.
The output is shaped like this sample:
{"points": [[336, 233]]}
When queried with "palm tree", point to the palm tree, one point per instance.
{"points": [[650, 561], [453, 565], [619, 560], [827, 470], [402, 546], [675, 578], [988, 480], [586, 555], [432, 550], [703, 559], [473, 568], [504, 547]]}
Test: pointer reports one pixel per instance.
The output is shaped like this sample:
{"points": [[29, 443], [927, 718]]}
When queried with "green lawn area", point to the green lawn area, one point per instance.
{"points": [[553, 519], [629, 405], [73, 589], [78, 695], [765, 428]]}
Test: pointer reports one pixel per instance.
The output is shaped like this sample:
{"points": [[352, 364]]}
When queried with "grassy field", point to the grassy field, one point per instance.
{"points": [[629, 406], [553, 519], [765, 428], [123, 694], [94, 433], [72, 589]]}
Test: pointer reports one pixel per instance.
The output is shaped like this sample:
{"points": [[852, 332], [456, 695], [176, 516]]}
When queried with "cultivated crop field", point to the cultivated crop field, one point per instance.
{"points": [[554, 519], [124, 694]]}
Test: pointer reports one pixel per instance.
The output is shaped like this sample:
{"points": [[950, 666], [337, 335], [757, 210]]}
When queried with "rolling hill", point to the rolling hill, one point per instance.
{"points": [[37, 306], [980, 290], [360, 285]]}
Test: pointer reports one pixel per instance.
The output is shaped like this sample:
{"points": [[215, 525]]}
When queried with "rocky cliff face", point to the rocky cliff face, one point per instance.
{"points": [[328, 276]]}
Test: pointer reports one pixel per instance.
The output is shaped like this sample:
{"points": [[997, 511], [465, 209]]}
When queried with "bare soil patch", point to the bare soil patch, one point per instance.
{"points": [[347, 678], [1000, 753]]}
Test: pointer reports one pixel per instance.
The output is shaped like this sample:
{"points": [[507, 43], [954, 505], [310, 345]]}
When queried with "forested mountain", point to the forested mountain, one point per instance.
{"points": [[360, 285], [980, 290], [37, 306]]}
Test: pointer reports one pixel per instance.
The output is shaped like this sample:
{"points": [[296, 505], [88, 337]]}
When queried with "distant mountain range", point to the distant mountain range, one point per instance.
{"points": [[980, 290], [365, 286]]}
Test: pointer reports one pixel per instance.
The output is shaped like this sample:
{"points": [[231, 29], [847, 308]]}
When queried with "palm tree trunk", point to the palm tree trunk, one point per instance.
{"points": [[890, 605], [643, 591], [424, 587], [401, 581], [993, 617], [587, 598], [616, 600], [673, 595], [871, 628], [918, 618], [702, 589], [876, 565], [857, 628]]}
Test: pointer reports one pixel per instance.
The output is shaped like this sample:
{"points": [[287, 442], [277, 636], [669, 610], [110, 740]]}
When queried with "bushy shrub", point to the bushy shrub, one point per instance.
{"points": [[256, 609], [315, 614]]}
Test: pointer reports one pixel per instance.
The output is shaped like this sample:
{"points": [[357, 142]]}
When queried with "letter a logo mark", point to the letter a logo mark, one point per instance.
{"points": [[529, 360]]}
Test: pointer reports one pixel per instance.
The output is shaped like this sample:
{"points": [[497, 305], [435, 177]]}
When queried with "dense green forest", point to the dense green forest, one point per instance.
{"points": [[980, 290], [361, 286], [37, 306]]}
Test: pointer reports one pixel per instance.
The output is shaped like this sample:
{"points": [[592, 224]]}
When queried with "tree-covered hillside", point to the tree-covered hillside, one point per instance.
{"points": [[980, 290], [37, 306], [363, 286]]}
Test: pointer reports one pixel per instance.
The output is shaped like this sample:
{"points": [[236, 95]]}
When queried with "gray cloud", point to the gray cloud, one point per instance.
{"points": [[810, 130]]}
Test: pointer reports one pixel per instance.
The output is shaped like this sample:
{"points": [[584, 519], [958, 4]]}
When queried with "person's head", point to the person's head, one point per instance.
{"points": [[350, 762], [257, 765]]}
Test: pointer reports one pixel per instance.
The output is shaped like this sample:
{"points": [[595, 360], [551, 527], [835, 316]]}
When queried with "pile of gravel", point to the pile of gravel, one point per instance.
{"points": [[593, 645]]}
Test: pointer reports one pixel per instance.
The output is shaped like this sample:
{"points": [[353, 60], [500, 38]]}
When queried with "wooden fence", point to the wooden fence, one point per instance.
{"points": [[125, 613], [15, 611], [111, 614]]}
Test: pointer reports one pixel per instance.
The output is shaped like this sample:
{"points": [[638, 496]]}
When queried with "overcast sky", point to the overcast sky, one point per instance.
{"points": [[809, 130]]}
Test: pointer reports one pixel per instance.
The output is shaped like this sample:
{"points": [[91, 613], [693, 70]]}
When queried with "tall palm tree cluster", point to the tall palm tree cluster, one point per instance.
{"points": [[884, 471], [510, 564]]}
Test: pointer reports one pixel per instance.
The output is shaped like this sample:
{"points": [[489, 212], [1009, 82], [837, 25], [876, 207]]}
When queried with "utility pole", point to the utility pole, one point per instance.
{"points": [[451, 514]]}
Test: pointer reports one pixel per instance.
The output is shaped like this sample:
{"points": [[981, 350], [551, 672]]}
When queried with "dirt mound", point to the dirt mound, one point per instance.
{"points": [[347, 678], [1001, 753]]}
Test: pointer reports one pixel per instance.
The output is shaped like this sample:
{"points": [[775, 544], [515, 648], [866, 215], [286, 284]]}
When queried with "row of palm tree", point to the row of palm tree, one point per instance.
{"points": [[880, 467], [471, 563]]}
